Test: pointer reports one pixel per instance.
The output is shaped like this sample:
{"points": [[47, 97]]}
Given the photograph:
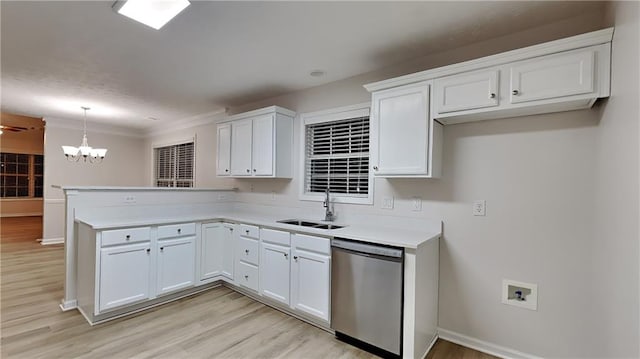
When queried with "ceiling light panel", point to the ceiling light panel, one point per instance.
{"points": [[153, 13]]}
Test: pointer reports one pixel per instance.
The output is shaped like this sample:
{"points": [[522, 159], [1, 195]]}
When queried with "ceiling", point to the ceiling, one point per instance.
{"points": [[58, 56]]}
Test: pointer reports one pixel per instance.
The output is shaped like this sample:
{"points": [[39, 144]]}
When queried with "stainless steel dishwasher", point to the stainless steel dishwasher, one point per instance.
{"points": [[367, 293]]}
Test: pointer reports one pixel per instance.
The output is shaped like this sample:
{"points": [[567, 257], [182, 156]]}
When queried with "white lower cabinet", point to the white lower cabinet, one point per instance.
{"points": [[124, 275], [311, 276], [216, 252], [275, 272], [176, 264]]}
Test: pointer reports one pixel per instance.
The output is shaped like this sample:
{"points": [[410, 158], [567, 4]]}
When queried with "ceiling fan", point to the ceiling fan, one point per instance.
{"points": [[13, 128]]}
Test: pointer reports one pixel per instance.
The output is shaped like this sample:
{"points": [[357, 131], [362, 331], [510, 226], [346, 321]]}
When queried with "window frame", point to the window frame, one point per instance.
{"points": [[155, 146], [331, 115], [30, 176]]}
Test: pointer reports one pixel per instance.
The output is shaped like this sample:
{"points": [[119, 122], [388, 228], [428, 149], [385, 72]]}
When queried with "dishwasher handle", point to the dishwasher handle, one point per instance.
{"points": [[366, 248]]}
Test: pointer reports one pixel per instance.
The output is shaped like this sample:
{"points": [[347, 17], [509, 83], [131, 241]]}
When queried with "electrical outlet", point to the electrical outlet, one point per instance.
{"points": [[479, 208], [129, 199], [416, 204], [387, 202]]}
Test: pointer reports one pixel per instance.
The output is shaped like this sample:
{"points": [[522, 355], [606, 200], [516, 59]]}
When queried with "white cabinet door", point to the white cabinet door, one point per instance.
{"points": [[223, 164], [124, 275], [310, 283], [274, 272], [176, 264], [241, 147], [401, 128], [262, 147], [466, 91], [211, 250], [552, 76], [228, 251]]}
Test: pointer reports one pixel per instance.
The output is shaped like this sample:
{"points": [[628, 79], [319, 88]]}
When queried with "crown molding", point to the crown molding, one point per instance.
{"points": [[93, 127], [189, 122]]}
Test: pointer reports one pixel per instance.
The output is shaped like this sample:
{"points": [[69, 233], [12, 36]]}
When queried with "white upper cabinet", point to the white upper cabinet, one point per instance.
{"points": [[402, 132], [552, 76], [466, 91], [241, 134], [261, 144], [561, 75], [223, 164]]}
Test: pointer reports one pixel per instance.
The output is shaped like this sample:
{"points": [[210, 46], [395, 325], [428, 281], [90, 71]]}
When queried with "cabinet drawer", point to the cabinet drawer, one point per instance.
{"points": [[275, 237], [248, 250], [176, 230], [249, 231], [247, 275], [123, 236], [311, 243]]}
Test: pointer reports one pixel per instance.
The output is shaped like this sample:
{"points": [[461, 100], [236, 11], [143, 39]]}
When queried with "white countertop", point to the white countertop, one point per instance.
{"points": [[373, 232]]}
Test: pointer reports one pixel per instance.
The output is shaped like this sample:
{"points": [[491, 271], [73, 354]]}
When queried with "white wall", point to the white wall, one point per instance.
{"points": [[562, 204], [123, 166]]}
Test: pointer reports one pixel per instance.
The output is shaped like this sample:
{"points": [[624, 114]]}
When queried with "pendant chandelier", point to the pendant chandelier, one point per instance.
{"points": [[84, 151]]}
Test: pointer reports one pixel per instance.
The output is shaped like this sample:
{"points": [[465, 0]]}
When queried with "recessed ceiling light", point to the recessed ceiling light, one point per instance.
{"points": [[317, 73], [153, 13]]}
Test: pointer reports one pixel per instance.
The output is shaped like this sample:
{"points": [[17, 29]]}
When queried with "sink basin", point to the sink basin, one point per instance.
{"points": [[299, 222], [303, 223], [327, 226]]}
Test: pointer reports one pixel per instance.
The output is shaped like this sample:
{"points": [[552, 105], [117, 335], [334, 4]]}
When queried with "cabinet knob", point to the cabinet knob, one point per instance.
{"points": [[254, 170], [161, 249], [231, 229], [226, 170], [286, 255], [515, 92], [246, 277], [246, 231], [295, 258], [248, 170], [492, 95], [179, 230], [148, 250], [246, 251], [128, 236], [375, 168]]}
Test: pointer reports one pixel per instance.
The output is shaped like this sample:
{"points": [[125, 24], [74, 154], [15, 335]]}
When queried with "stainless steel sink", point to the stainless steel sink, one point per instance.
{"points": [[303, 223], [327, 226]]}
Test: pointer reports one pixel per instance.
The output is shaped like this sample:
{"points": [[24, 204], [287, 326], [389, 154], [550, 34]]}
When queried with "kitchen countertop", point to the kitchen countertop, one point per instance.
{"points": [[373, 233]]}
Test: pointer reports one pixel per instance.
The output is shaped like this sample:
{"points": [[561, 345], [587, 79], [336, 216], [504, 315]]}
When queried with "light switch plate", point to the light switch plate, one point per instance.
{"points": [[416, 204], [387, 202], [479, 208]]}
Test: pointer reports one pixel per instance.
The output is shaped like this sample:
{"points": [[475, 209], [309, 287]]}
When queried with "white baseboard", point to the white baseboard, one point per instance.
{"points": [[47, 241], [485, 347], [28, 214], [68, 304]]}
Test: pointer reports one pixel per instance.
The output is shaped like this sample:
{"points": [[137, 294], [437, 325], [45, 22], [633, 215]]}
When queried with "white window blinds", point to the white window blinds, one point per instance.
{"points": [[174, 165], [337, 157]]}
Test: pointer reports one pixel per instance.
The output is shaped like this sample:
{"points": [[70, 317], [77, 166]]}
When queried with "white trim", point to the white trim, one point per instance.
{"points": [[262, 111], [334, 114], [569, 43], [92, 127], [187, 123], [430, 346], [483, 346], [67, 305], [48, 241]]}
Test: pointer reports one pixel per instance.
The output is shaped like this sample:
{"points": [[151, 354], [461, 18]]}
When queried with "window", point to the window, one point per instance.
{"points": [[21, 175], [336, 151], [174, 165]]}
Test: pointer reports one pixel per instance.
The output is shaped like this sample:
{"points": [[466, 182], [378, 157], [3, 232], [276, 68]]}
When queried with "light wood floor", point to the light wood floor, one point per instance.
{"points": [[218, 323]]}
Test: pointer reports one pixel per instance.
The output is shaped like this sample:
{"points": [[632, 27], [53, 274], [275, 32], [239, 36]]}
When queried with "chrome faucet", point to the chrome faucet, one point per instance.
{"points": [[328, 215]]}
